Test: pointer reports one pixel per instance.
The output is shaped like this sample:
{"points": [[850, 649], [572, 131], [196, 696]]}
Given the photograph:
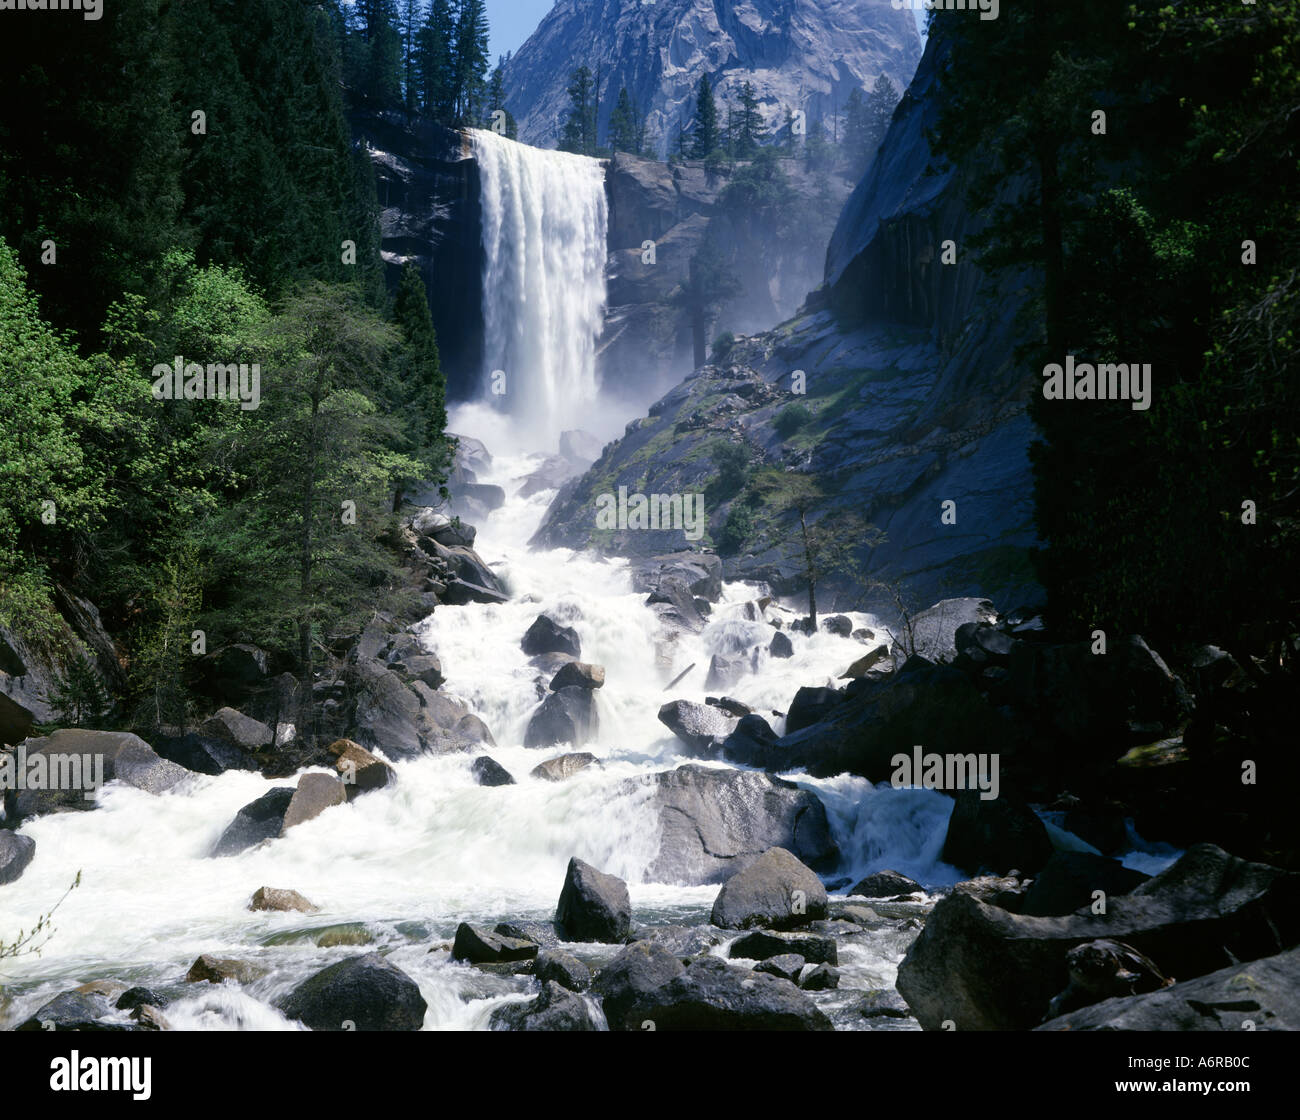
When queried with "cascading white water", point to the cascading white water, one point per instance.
{"points": [[545, 219]]}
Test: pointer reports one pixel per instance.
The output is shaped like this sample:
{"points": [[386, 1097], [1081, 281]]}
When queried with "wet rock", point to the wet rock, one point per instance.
{"points": [[823, 978], [365, 993], [781, 646], [1264, 993], [546, 635], [787, 966], [730, 705], [543, 933], [567, 716], [884, 1004], [1068, 879], [460, 592], [16, 852], [202, 754], [838, 624], [358, 769], [885, 884], [775, 891], [565, 969], [233, 727], [216, 970], [72, 1011], [593, 906], [150, 1018], [139, 997], [578, 674], [714, 823], [555, 1009], [424, 667], [479, 946], [259, 820], [987, 969], [934, 631], [995, 835], [315, 794], [282, 899], [764, 944], [488, 772], [700, 572], [701, 727], [809, 706], [753, 743], [712, 995], [864, 664], [636, 971], [562, 768], [78, 755]]}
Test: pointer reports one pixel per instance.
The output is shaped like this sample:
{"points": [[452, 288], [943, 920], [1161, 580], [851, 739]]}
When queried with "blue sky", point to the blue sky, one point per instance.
{"points": [[513, 21]]}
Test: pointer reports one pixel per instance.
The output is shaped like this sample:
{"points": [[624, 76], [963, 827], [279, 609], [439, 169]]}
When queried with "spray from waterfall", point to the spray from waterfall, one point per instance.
{"points": [[545, 218]]}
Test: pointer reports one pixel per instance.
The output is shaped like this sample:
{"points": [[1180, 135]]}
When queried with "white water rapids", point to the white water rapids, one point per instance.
{"points": [[410, 862]]}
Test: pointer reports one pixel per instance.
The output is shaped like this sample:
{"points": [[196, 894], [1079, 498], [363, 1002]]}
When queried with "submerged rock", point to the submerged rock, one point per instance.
{"points": [[555, 1009], [567, 716], [546, 635], [489, 772]]}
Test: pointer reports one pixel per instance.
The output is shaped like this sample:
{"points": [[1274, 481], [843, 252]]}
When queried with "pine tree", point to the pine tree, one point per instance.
{"points": [[879, 112], [435, 65], [425, 389], [749, 123], [497, 100], [580, 127], [470, 60], [625, 133], [857, 134], [706, 121], [412, 20]]}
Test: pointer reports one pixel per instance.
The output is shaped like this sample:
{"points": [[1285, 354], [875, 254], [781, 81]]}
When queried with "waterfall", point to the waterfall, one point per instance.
{"points": [[545, 218]]}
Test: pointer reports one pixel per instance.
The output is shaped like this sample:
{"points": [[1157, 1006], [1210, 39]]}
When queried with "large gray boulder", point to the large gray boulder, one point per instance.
{"points": [[699, 572], [405, 719], [480, 946], [365, 993], [257, 821], [713, 995], [933, 632], [700, 727], [488, 772], [995, 835], [563, 767], [593, 906], [315, 794], [567, 716], [578, 674], [1068, 881], [636, 971], [1262, 995], [987, 969], [233, 727], [714, 823], [16, 852], [75, 758], [776, 891], [546, 635]]}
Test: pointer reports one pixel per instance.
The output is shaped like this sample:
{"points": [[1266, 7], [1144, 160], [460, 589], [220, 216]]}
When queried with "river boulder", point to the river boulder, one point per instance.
{"points": [[714, 823], [593, 906], [257, 821], [775, 890], [567, 716], [546, 635], [16, 852], [555, 1009], [366, 993], [987, 969], [712, 995], [636, 971]]}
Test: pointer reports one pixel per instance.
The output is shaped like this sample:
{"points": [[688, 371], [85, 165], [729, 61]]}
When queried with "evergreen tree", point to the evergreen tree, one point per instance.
{"points": [[470, 60], [857, 134], [706, 121], [424, 387], [412, 21], [89, 156], [580, 127], [626, 134], [435, 54], [749, 123], [880, 108], [497, 100]]}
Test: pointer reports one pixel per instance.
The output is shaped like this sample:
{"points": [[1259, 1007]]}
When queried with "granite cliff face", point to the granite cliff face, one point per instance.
{"points": [[799, 54], [913, 399], [429, 198]]}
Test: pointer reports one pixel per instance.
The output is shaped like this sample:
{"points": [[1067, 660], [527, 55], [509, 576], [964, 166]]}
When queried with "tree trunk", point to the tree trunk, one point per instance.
{"points": [[812, 574]]}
